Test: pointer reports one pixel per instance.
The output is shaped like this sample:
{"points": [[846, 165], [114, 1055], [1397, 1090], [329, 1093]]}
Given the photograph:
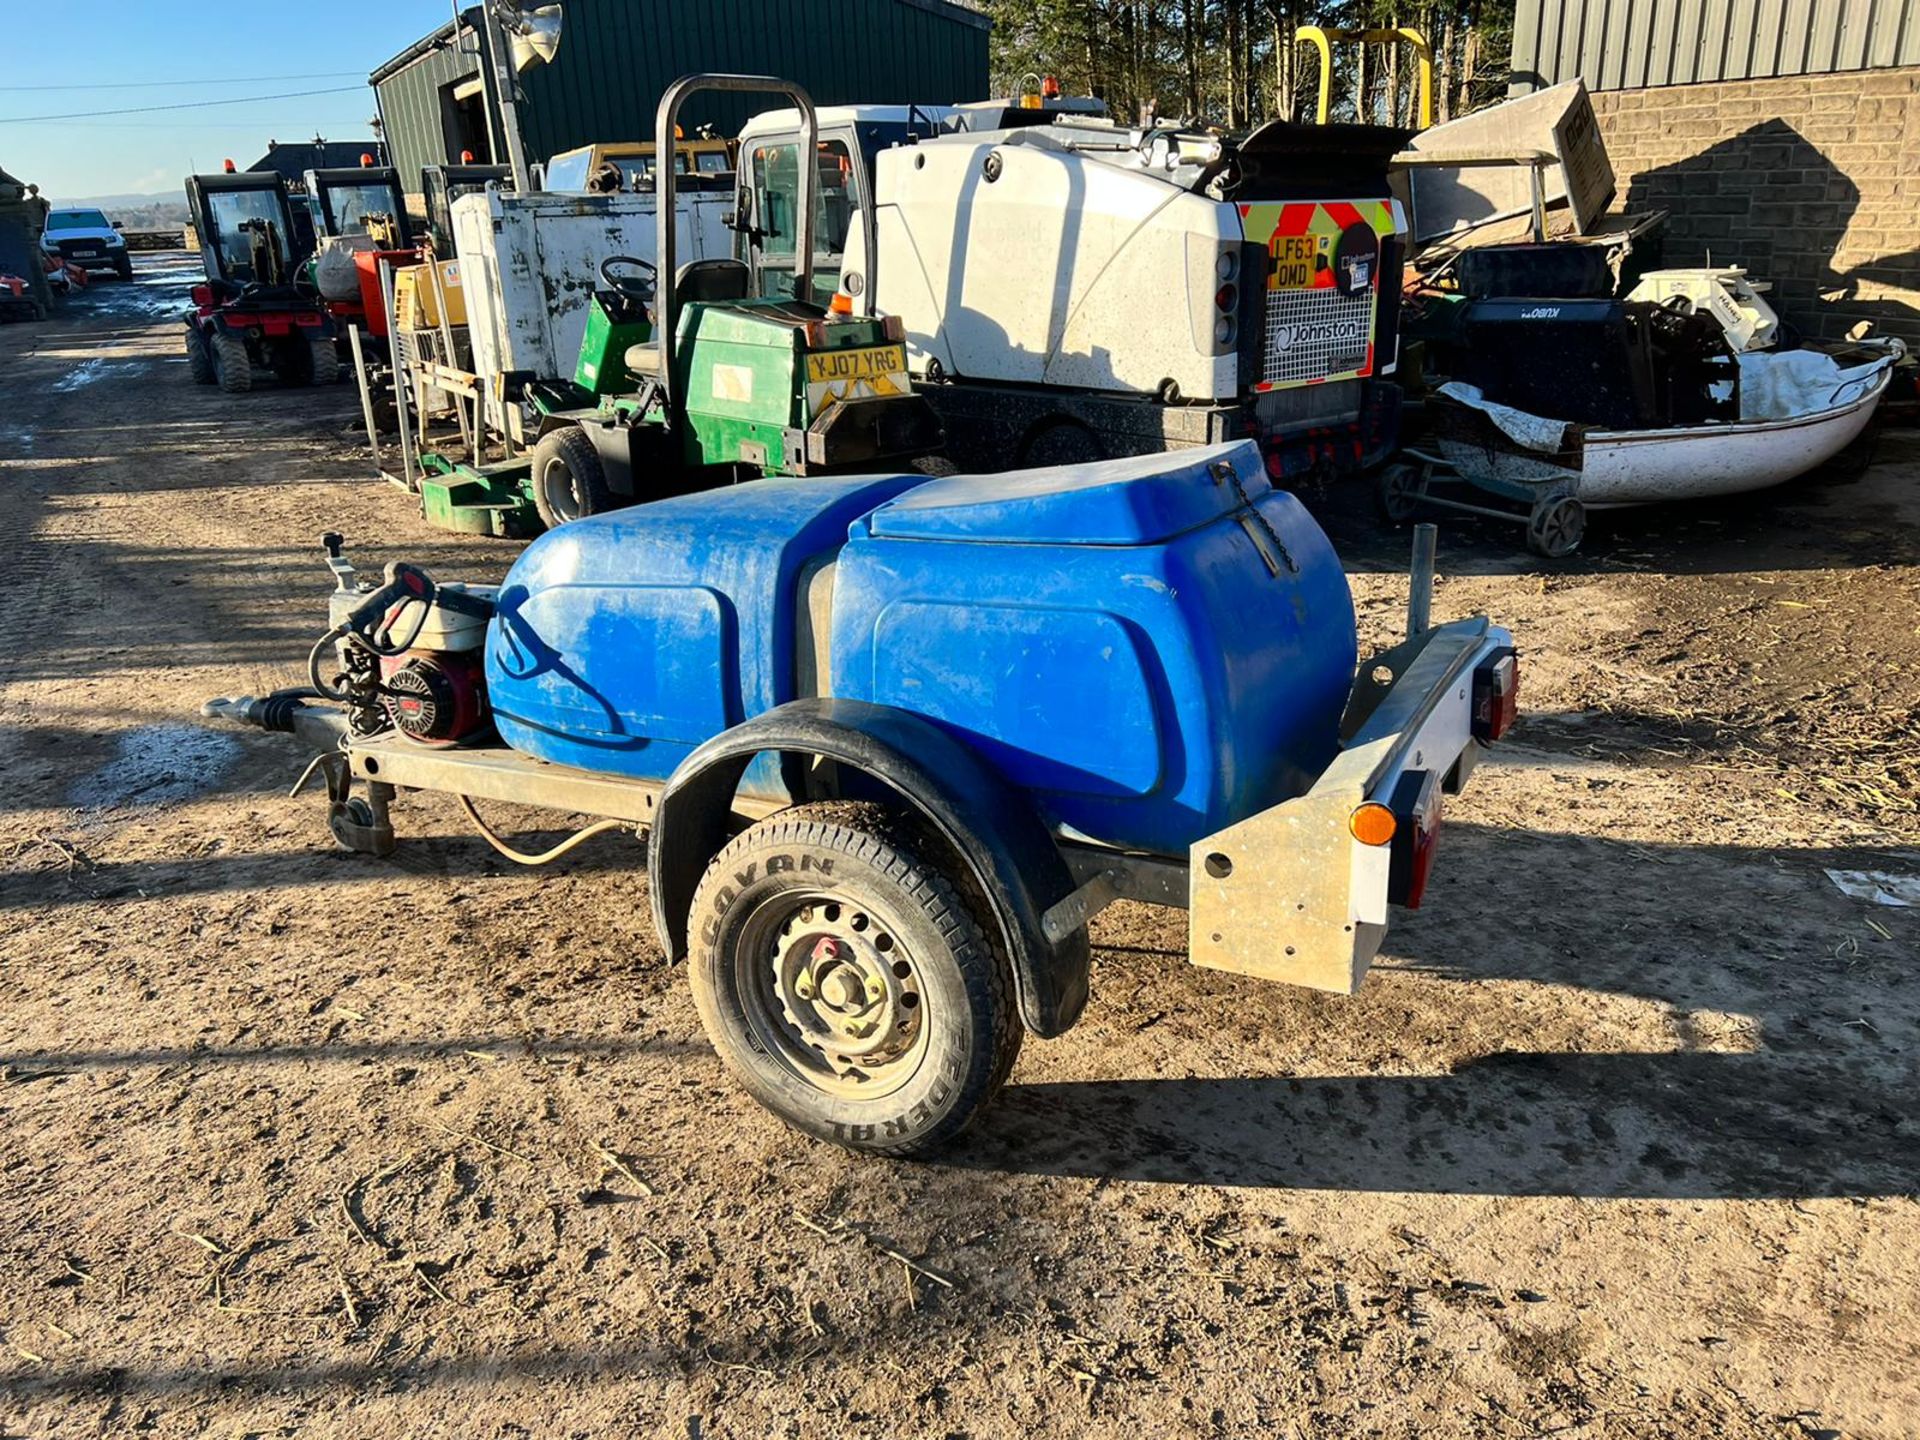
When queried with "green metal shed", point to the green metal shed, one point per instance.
{"points": [[616, 57]]}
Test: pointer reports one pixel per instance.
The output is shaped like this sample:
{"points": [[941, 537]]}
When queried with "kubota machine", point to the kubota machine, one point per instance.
{"points": [[250, 314]]}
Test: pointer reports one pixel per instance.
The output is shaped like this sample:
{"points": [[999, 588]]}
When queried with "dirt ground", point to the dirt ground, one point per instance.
{"points": [[1619, 1138]]}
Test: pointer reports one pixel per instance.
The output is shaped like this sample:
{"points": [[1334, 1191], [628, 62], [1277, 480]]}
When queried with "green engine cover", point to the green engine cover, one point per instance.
{"points": [[754, 373], [602, 366]]}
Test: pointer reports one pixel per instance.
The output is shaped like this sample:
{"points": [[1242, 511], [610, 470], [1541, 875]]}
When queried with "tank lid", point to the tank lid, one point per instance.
{"points": [[1139, 500]]}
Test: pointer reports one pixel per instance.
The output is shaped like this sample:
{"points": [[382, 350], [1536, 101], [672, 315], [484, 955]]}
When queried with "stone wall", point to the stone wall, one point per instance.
{"points": [[1812, 183]]}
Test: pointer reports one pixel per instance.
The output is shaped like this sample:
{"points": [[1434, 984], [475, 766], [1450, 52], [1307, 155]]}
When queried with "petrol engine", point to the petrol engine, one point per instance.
{"points": [[407, 653]]}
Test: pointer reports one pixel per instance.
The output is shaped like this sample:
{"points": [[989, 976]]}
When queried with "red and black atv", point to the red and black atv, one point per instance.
{"points": [[251, 313]]}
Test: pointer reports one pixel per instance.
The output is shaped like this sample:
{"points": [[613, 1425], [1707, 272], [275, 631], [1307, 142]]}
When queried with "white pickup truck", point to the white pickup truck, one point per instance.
{"points": [[86, 237]]}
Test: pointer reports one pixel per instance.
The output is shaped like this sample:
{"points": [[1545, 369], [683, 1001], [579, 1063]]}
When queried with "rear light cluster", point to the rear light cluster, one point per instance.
{"points": [[1496, 695], [1416, 804], [1226, 300], [1408, 820], [1408, 825]]}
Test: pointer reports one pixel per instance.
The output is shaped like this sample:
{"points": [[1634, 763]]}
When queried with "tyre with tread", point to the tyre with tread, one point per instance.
{"points": [[323, 363], [123, 267], [847, 982], [569, 482], [232, 370], [199, 357]]}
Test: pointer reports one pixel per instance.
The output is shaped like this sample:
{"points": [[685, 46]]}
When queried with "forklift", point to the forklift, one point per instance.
{"points": [[685, 380], [250, 313]]}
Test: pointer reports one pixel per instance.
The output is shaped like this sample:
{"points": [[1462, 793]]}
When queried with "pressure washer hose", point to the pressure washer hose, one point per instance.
{"points": [[520, 857]]}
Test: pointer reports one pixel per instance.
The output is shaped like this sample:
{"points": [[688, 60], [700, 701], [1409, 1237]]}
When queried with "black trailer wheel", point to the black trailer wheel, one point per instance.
{"points": [[232, 369], [323, 363], [1556, 526], [846, 983], [569, 482], [199, 357], [1398, 490], [123, 267]]}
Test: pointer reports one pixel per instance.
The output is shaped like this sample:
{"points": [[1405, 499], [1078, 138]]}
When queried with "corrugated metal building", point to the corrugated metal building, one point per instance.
{"points": [[1628, 44], [616, 57]]}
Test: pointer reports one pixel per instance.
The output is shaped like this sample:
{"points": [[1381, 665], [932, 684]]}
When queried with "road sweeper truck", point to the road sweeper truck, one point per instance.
{"points": [[1074, 289]]}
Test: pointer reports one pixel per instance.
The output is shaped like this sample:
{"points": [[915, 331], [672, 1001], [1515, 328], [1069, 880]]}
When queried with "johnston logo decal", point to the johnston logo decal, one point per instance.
{"points": [[1317, 332]]}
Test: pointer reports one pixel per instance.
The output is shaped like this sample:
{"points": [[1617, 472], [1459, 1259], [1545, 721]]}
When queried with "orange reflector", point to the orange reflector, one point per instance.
{"points": [[1372, 824]]}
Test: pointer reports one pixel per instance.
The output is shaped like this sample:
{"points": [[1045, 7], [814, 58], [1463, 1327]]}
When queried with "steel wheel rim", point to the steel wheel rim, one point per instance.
{"points": [[565, 500], [830, 991]]}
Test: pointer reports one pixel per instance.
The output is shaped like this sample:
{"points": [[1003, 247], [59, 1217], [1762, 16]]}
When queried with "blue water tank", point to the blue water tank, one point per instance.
{"points": [[622, 641], [1153, 647]]}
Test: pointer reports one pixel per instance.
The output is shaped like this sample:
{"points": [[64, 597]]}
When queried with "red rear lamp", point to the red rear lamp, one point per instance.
{"points": [[202, 295], [1416, 803], [894, 328], [1226, 297], [1496, 695]]}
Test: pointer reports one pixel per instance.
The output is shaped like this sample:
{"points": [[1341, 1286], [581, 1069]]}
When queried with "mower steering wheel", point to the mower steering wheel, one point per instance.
{"points": [[638, 288]]}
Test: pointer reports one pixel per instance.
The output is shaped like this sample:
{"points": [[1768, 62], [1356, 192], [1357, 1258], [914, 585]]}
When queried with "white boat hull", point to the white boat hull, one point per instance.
{"points": [[1649, 467]]}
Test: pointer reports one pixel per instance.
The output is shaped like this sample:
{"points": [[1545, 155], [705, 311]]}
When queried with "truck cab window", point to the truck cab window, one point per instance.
{"points": [[775, 176]]}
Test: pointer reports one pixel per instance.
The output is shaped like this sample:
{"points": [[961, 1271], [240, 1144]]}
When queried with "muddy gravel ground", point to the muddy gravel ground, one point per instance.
{"points": [[1618, 1139]]}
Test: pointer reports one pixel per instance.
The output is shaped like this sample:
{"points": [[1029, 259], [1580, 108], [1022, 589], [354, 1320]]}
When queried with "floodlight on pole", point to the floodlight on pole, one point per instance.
{"points": [[516, 37]]}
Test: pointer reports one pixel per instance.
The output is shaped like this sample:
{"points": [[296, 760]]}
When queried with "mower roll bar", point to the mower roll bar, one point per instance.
{"points": [[666, 161]]}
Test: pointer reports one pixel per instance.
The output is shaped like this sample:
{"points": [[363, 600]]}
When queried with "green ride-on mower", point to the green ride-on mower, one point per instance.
{"points": [[249, 314], [686, 381]]}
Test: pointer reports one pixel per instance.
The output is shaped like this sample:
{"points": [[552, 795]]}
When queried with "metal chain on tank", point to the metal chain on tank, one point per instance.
{"points": [[1223, 470]]}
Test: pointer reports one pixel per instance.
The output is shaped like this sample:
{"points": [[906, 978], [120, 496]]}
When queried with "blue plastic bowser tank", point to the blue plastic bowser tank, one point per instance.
{"points": [[1152, 647], [621, 641]]}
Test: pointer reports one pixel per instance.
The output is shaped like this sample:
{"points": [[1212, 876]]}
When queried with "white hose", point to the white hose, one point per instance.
{"points": [[520, 857]]}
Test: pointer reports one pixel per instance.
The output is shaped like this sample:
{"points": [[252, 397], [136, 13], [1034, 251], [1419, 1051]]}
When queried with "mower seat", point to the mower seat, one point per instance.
{"points": [[718, 279], [643, 359]]}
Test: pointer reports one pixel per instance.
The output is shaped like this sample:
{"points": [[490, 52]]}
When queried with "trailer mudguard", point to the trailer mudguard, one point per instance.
{"points": [[1015, 865]]}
